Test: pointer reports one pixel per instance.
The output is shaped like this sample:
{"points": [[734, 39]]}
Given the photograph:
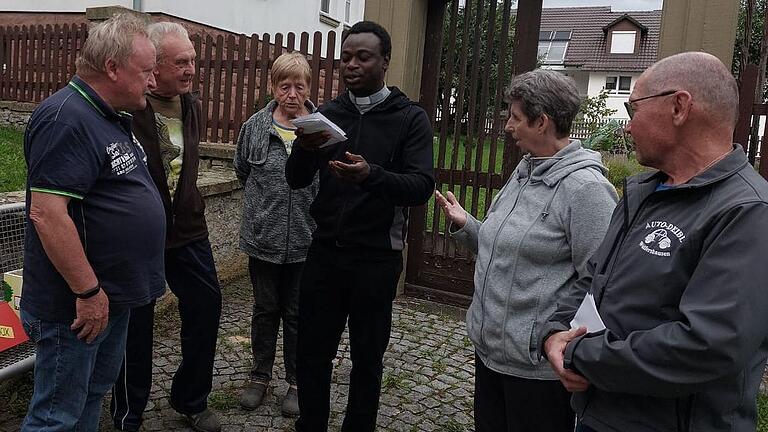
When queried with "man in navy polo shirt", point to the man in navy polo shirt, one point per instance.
{"points": [[94, 247]]}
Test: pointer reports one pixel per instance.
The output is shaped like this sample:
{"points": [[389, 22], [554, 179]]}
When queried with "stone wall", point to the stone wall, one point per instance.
{"points": [[218, 185], [15, 114], [223, 209]]}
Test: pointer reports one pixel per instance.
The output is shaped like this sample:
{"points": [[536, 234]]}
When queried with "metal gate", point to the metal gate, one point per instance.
{"points": [[473, 60]]}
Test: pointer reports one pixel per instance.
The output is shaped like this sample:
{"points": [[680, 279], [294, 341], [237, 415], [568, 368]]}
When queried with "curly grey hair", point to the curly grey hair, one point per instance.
{"points": [[546, 92]]}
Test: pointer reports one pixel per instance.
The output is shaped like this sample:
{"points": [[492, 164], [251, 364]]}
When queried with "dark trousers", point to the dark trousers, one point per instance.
{"points": [[337, 286], [275, 297], [191, 275], [504, 403]]}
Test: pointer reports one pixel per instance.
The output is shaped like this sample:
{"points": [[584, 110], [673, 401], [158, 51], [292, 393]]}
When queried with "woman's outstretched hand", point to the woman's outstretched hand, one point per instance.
{"points": [[452, 209]]}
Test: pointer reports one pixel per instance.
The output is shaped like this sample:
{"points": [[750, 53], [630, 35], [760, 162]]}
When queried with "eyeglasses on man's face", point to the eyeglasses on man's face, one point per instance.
{"points": [[631, 110]]}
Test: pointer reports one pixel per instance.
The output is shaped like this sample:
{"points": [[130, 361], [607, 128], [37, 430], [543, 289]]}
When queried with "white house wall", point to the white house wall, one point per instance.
{"points": [[239, 16], [614, 101]]}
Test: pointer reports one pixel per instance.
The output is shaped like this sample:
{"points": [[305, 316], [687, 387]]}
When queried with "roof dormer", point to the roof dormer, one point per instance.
{"points": [[623, 35]]}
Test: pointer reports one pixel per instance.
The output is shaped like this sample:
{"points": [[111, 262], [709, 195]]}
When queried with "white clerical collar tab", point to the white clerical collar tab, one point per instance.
{"points": [[372, 99]]}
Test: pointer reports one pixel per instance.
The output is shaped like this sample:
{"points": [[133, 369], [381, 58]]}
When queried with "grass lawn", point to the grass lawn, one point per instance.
{"points": [[762, 413], [619, 167], [13, 170]]}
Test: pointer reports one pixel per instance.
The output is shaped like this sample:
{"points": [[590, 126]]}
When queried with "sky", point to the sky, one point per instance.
{"points": [[615, 4]]}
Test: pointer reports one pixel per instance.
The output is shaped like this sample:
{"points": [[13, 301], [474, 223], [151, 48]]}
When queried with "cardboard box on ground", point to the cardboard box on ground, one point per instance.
{"points": [[11, 331]]}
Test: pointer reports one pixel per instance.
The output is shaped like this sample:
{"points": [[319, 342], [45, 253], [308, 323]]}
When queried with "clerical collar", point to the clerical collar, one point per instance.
{"points": [[372, 99]]}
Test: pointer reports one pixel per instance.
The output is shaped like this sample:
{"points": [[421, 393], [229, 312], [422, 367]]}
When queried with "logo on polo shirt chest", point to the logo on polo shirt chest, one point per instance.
{"points": [[122, 158], [661, 238]]}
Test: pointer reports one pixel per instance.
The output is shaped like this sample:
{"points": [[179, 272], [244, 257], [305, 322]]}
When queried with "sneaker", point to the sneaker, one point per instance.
{"points": [[253, 394], [206, 421], [291, 403]]}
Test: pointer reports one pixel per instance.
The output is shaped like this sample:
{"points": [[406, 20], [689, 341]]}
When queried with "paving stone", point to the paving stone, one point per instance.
{"points": [[429, 365]]}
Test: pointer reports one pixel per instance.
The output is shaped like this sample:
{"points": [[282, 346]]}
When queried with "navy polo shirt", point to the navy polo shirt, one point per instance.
{"points": [[79, 147]]}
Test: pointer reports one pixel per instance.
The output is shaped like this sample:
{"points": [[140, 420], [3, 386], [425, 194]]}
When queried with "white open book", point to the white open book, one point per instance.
{"points": [[316, 122]]}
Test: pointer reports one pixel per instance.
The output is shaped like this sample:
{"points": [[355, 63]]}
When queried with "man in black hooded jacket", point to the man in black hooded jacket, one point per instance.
{"points": [[367, 184]]}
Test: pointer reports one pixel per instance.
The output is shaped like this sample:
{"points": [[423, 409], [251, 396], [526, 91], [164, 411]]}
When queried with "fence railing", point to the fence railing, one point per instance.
{"points": [[582, 129], [232, 72]]}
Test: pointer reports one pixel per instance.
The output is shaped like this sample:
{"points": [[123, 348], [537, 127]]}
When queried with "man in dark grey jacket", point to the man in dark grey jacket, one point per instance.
{"points": [[679, 280]]}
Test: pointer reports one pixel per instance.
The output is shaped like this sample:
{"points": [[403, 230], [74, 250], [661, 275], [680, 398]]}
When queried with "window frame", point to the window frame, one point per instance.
{"points": [[617, 87], [623, 33], [552, 38]]}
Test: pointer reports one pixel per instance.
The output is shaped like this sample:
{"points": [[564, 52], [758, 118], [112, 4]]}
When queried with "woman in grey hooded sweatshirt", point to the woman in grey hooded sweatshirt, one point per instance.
{"points": [[276, 227], [537, 236]]}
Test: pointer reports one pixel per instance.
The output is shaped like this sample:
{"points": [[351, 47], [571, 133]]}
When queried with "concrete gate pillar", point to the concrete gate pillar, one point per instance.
{"points": [[699, 25], [406, 21]]}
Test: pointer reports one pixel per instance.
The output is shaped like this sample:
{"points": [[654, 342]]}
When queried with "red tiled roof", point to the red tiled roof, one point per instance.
{"points": [[587, 48]]}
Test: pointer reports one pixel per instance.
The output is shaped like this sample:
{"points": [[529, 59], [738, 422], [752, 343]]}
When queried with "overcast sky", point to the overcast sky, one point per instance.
{"points": [[615, 4]]}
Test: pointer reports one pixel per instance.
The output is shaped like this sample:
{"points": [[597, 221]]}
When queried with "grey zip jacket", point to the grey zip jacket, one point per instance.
{"points": [[681, 285], [276, 226], [535, 241]]}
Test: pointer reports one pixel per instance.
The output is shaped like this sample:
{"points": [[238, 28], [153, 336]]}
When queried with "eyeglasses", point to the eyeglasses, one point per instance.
{"points": [[628, 104]]}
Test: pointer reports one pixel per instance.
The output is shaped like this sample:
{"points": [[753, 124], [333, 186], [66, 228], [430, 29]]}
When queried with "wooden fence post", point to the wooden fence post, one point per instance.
{"points": [[746, 103]]}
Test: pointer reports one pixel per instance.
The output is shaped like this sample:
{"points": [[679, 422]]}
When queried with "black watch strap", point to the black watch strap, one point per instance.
{"points": [[90, 293]]}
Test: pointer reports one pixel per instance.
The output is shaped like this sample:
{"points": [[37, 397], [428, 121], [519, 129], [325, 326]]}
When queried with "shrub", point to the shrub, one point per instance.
{"points": [[620, 167]]}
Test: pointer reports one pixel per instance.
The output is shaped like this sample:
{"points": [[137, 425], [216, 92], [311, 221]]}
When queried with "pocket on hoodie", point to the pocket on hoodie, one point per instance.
{"points": [[533, 342]]}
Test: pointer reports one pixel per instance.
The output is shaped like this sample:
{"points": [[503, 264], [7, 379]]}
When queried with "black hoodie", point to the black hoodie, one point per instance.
{"points": [[395, 138]]}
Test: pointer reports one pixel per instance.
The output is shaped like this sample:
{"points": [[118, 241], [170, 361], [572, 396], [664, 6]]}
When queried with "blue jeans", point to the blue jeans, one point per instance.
{"points": [[71, 376]]}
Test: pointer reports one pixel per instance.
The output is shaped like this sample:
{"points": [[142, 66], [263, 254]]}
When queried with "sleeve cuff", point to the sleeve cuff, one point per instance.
{"points": [[568, 360], [57, 192]]}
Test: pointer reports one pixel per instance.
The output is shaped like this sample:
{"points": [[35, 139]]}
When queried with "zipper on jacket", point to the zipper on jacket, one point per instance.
{"points": [[493, 249], [344, 205], [618, 242], [288, 230]]}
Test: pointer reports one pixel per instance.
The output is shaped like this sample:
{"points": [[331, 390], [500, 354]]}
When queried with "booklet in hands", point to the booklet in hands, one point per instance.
{"points": [[317, 122], [587, 316]]}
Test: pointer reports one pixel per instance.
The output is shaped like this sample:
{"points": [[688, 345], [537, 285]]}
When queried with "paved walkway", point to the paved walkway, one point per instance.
{"points": [[427, 384]]}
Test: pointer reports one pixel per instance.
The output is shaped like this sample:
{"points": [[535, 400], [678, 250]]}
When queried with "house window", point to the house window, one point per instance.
{"points": [[325, 6], [553, 45], [623, 42], [348, 11], [618, 84]]}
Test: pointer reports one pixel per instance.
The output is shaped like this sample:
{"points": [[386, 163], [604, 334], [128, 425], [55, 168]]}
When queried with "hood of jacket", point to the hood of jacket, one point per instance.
{"points": [[550, 170]]}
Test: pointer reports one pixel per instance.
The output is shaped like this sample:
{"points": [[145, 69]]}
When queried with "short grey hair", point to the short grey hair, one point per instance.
{"points": [[704, 76], [159, 30], [546, 92], [110, 39]]}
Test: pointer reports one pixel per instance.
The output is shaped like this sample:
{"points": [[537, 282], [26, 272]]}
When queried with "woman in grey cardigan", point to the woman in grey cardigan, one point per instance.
{"points": [[534, 242], [276, 227]]}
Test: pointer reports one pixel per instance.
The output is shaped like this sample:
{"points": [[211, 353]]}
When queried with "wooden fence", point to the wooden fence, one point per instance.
{"points": [[232, 73]]}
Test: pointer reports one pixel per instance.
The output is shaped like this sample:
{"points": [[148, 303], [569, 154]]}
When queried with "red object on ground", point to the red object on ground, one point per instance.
{"points": [[11, 331]]}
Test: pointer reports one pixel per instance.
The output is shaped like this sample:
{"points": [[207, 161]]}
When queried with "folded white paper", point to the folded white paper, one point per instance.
{"points": [[587, 316], [316, 122]]}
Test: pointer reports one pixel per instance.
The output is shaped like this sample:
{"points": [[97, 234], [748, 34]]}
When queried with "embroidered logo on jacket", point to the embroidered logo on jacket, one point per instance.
{"points": [[661, 238]]}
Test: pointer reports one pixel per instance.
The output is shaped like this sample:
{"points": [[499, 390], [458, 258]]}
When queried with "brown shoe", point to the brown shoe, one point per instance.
{"points": [[206, 421], [291, 403], [253, 394]]}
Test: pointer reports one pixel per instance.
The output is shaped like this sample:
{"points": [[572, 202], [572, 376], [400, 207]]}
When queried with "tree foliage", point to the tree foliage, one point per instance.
{"points": [[482, 66], [755, 34]]}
